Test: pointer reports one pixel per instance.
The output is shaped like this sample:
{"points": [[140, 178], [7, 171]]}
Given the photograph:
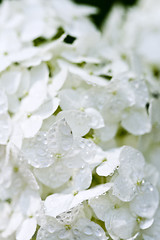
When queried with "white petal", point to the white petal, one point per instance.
{"points": [[72, 10], [87, 150], [89, 79], [10, 81], [36, 152], [110, 164], [140, 92], [96, 119], [15, 221], [82, 179], [54, 176], [17, 136], [24, 83], [149, 46], [131, 164], [29, 202], [146, 223], [77, 120], [53, 230], [57, 203], [27, 229], [39, 74], [155, 111], [151, 174], [154, 231], [35, 98], [13, 103], [3, 102], [59, 137], [107, 132], [5, 128], [32, 30], [5, 210], [124, 189], [58, 81], [47, 108], [23, 54], [146, 202], [70, 99], [87, 230], [28, 176], [136, 122], [120, 223], [5, 62], [100, 206], [9, 41], [91, 193], [30, 126]]}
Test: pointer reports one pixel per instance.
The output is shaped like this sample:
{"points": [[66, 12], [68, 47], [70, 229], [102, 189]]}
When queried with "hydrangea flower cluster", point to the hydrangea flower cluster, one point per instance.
{"points": [[79, 122]]}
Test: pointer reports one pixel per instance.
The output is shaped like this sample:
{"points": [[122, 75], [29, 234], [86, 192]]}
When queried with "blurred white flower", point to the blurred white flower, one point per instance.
{"points": [[79, 122]]}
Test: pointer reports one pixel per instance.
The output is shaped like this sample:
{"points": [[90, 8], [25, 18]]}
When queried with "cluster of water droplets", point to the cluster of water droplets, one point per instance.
{"points": [[68, 218]]}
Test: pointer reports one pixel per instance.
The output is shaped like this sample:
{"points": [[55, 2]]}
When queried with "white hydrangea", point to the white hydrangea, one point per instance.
{"points": [[79, 122]]}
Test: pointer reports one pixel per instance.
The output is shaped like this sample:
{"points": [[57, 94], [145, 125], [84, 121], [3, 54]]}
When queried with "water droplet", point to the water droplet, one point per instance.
{"points": [[82, 144], [151, 188], [143, 182], [65, 130], [76, 231], [136, 85], [98, 232], [88, 231], [63, 234], [39, 137], [51, 229], [89, 144], [41, 152], [46, 235]]}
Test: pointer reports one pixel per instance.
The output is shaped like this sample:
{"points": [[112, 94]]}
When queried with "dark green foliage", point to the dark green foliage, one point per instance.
{"points": [[104, 7], [41, 40], [69, 39]]}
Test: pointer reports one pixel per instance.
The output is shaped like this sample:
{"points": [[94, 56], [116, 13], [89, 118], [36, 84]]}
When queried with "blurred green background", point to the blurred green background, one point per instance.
{"points": [[104, 7]]}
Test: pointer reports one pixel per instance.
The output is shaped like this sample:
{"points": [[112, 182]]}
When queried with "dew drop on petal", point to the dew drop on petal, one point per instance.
{"points": [[88, 231], [51, 229], [63, 234], [76, 231], [98, 232]]}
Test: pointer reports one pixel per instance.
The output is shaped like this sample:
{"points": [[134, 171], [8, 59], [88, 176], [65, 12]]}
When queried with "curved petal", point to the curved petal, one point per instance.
{"points": [[36, 152], [136, 122], [88, 230], [5, 128], [30, 126], [77, 120], [60, 138], [27, 229], [146, 202], [54, 176]]}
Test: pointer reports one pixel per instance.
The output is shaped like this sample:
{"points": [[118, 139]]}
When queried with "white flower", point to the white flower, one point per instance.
{"points": [[118, 218], [23, 220], [46, 147], [79, 109], [59, 203], [82, 229], [130, 174]]}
